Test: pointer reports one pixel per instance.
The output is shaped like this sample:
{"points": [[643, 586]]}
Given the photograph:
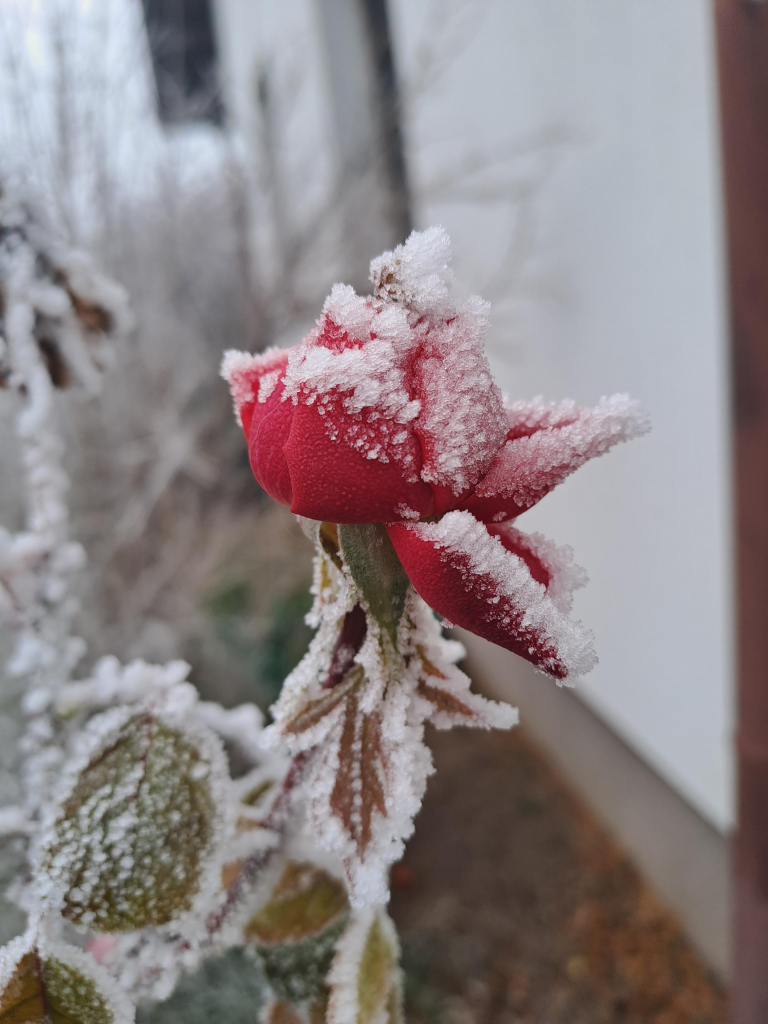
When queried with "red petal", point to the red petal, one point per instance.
{"points": [[545, 444], [252, 379], [549, 564], [270, 429], [257, 387], [461, 424], [336, 482], [477, 582]]}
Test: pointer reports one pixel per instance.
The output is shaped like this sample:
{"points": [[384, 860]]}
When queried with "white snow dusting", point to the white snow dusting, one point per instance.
{"points": [[407, 360]]}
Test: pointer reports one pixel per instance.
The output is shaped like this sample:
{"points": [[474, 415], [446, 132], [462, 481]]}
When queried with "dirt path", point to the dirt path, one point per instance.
{"points": [[515, 907]]}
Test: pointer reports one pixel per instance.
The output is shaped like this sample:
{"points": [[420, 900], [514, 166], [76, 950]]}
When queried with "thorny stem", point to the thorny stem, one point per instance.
{"points": [[276, 821]]}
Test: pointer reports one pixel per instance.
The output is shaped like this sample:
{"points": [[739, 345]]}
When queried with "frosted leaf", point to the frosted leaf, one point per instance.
{"points": [[305, 901], [368, 765], [297, 929], [135, 837], [112, 683], [357, 706], [548, 442], [365, 979], [442, 692], [57, 984]]}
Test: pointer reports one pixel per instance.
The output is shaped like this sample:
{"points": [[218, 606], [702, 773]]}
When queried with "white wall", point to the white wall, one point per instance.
{"points": [[615, 284]]}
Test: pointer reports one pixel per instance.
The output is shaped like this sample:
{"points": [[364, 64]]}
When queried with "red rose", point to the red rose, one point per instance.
{"points": [[387, 412]]}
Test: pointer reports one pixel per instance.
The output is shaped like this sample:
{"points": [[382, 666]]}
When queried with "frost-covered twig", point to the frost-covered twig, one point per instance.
{"points": [[60, 318]]}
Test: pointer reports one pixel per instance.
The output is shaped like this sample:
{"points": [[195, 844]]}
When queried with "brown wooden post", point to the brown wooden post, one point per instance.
{"points": [[742, 35]]}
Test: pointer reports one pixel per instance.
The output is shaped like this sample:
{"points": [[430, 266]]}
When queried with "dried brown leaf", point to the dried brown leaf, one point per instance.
{"points": [[359, 787], [317, 709]]}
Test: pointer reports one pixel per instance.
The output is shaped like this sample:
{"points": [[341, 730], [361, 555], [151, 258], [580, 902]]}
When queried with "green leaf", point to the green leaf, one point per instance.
{"points": [[305, 901], [376, 569], [230, 989], [134, 837], [297, 930], [64, 987], [365, 978], [297, 971], [374, 978]]}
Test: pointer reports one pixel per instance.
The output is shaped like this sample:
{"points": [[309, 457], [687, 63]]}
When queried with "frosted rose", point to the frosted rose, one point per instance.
{"points": [[387, 413]]}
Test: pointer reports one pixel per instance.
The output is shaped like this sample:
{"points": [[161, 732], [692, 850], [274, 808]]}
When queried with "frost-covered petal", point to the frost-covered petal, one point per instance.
{"points": [[461, 425], [256, 384], [549, 563], [546, 442], [252, 378], [335, 481], [468, 575], [396, 412]]}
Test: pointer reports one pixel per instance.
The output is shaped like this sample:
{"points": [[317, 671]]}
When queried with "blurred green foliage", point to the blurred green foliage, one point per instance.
{"points": [[266, 654], [226, 990]]}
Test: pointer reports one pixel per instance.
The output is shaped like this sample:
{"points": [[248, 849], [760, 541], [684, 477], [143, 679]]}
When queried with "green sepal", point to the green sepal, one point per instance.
{"points": [[376, 569]]}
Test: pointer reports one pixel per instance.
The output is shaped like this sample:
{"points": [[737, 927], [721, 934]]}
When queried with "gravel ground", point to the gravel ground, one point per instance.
{"points": [[515, 906]]}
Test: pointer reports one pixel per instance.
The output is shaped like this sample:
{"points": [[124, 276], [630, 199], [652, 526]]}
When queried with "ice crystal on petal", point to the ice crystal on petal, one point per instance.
{"points": [[410, 359], [515, 600], [564, 575], [548, 442], [462, 423], [243, 372]]}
